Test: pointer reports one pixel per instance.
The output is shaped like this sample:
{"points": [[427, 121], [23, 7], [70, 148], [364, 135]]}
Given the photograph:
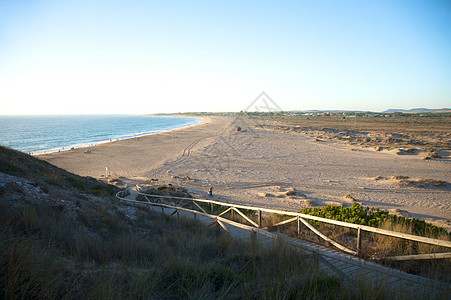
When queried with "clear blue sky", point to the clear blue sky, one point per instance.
{"points": [[127, 56]]}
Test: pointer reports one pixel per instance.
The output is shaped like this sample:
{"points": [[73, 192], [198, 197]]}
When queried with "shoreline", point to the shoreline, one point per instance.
{"points": [[93, 144], [129, 156]]}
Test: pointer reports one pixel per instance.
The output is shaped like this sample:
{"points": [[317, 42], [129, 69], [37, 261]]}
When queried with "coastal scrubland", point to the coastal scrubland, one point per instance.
{"points": [[412, 134], [66, 236]]}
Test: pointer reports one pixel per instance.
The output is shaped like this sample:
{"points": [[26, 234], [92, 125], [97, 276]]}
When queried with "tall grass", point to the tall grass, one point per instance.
{"points": [[47, 253], [62, 236]]}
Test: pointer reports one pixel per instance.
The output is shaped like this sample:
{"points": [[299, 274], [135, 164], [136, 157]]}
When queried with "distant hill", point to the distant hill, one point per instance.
{"points": [[418, 110]]}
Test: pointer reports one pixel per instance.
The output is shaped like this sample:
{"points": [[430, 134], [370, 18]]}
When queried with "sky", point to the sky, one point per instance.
{"points": [[139, 57]]}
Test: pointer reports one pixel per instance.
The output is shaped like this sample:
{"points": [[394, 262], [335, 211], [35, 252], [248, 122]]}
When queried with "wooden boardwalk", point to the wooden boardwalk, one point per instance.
{"points": [[332, 261]]}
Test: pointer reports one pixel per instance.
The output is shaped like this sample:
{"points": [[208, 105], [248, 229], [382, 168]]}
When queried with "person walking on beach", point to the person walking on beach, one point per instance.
{"points": [[210, 192]]}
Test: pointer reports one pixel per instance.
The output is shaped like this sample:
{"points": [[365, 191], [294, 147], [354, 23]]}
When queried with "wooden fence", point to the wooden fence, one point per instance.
{"points": [[201, 206]]}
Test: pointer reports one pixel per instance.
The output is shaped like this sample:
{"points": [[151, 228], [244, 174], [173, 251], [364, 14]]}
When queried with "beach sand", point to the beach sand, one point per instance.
{"points": [[269, 168]]}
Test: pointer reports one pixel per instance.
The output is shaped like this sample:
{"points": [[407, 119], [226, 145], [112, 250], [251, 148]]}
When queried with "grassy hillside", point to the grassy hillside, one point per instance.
{"points": [[64, 236], [42, 173]]}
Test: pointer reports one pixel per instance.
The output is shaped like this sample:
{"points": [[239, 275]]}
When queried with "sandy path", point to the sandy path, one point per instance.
{"points": [[243, 166]]}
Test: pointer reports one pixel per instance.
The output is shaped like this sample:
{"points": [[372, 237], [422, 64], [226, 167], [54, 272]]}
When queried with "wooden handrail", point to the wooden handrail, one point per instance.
{"points": [[341, 247], [419, 256], [406, 236], [347, 259]]}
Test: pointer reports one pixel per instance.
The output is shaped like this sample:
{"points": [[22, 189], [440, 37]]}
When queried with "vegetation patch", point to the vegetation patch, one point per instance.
{"points": [[432, 155], [403, 180], [167, 191], [42, 173], [61, 245], [374, 217], [410, 132]]}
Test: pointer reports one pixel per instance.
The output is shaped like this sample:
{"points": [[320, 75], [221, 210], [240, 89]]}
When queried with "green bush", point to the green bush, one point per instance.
{"points": [[373, 217], [102, 189]]}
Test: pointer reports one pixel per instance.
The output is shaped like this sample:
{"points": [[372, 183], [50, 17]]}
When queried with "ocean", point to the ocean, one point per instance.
{"points": [[39, 134]]}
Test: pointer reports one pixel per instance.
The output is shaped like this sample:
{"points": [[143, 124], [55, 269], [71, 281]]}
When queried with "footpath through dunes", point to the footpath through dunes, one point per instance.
{"points": [[396, 284]]}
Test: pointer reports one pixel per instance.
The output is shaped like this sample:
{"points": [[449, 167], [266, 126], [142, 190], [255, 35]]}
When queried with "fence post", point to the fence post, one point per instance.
{"points": [[193, 207], [212, 207], [299, 227], [359, 241], [232, 213], [259, 218]]}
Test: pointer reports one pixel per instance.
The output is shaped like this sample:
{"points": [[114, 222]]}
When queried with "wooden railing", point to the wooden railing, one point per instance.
{"points": [[199, 207]]}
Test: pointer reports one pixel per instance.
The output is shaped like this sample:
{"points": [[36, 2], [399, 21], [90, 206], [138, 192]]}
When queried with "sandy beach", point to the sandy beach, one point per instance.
{"points": [[269, 168]]}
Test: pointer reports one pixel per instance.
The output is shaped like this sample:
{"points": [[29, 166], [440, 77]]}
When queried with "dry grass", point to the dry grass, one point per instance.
{"points": [[433, 154], [160, 258], [419, 182], [403, 180], [92, 247], [58, 243], [46, 176]]}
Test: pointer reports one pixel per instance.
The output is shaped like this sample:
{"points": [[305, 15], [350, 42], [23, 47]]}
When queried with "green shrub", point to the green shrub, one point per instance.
{"points": [[102, 189], [76, 183], [374, 217]]}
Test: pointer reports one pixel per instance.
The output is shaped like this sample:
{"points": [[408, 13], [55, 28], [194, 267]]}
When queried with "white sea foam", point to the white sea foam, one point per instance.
{"points": [[46, 134]]}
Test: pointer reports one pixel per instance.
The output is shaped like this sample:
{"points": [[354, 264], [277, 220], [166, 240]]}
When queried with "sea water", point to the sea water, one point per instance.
{"points": [[39, 134]]}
